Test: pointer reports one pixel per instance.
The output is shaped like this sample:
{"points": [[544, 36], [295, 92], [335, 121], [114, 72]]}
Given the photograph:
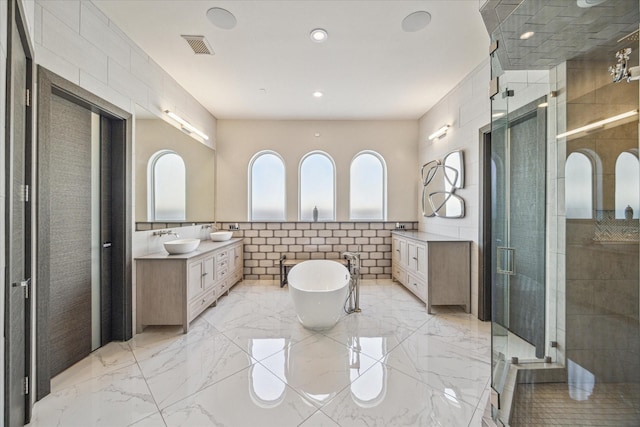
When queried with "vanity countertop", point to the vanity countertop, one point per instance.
{"points": [[205, 246], [427, 237]]}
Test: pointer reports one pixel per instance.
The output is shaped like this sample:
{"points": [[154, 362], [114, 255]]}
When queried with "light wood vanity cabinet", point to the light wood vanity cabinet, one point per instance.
{"points": [[175, 289], [437, 269]]}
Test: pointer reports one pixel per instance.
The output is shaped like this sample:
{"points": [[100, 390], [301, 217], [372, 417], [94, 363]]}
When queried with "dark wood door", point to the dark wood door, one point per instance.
{"points": [[70, 234], [84, 226], [18, 234]]}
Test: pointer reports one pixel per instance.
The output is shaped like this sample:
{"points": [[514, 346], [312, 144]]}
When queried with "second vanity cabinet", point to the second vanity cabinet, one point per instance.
{"points": [[175, 289], [435, 268]]}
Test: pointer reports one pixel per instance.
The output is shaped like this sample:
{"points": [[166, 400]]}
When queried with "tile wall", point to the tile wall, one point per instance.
{"points": [[75, 40], [265, 242]]}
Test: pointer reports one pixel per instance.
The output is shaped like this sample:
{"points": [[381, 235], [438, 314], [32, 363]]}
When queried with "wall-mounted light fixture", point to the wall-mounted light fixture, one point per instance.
{"points": [[186, 125], [598, 124], [439, 133]]}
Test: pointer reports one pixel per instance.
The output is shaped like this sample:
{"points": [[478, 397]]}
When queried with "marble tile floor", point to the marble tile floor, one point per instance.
{"points": [[248, 362]]}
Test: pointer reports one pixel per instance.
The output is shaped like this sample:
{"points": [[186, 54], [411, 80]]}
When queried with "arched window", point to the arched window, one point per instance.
{"points": [[267, 187], [368, 187], [578, 181], [166, 189], [317, 187], [627, 184]]}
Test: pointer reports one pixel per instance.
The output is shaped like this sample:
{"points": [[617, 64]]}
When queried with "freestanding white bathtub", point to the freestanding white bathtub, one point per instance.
{"points": [[319, 290]]}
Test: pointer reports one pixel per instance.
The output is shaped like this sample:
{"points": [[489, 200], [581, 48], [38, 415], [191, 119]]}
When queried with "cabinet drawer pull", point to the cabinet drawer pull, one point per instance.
{"points": [[204, 274], [415, 258]]}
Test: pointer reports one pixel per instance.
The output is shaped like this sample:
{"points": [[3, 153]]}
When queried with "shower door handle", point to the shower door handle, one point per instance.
{"points": [[506, 261]]}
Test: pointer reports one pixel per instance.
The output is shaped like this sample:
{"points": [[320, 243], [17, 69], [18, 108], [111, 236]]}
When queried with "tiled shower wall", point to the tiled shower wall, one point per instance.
{"points": [[265, 242]]}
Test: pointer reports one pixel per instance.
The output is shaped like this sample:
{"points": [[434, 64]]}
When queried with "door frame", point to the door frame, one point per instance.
{"points": [[50, 84], [16, 20], [484, 241]]}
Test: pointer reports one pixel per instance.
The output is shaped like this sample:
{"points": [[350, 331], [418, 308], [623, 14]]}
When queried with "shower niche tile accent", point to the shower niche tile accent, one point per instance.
{"points": [[611, 229], [440, 180]]}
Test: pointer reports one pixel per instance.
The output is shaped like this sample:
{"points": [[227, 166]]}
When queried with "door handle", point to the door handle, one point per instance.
{"points": [[106, 245], [509, 259], [25, 285], [22, 283]]}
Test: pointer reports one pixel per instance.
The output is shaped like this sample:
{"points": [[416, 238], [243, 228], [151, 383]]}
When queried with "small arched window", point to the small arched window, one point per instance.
{"points": [[368, 187], [627, 184], [578, 173], [166, 190], [317, 187], [267, 187]]}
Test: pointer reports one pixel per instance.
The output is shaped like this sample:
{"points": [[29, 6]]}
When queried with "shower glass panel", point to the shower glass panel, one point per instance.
{"points": [[523, 323], [518, 145], [565, 229]]}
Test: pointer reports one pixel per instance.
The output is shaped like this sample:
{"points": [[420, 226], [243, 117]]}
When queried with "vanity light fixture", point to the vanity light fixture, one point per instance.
{"points": [[185, 124], [439, 133], [598, 123], [319, 35]]}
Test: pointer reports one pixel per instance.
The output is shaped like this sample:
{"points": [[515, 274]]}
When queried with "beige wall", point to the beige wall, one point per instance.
{"points": [[239, 140], [466, 109], [154, 135]]}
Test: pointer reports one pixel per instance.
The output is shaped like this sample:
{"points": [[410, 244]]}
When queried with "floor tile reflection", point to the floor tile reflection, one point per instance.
{"points": [[249, 362]]}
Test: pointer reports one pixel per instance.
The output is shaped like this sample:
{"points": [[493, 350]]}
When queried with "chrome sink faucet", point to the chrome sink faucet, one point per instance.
{"points": [[165, 233]]}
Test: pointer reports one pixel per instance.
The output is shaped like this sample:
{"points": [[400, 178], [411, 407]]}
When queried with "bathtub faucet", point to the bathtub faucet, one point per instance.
{"points": [[354, 287]]}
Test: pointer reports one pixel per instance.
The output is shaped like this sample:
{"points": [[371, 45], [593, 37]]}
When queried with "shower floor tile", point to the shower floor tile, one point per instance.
{"points": [[249, 362], [551, 405]]}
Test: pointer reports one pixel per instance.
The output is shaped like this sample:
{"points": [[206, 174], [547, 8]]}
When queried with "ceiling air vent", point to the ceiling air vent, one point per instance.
{"points": [[199, 45]]}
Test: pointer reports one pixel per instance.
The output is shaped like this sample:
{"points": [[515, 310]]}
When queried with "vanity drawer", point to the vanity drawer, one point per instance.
{"points": [[222, 255], [222, 264], [222, 273], [417, 285], [198, 305], [399, 274]]}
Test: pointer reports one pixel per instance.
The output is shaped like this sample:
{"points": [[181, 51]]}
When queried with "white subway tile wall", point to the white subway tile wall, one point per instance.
{"points": [[264, 243]]}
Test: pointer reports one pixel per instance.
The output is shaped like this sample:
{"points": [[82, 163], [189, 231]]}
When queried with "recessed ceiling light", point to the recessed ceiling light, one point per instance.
{"points": [[527, 35], [221, 18], [317, 94], [416, 21], [319, 35], [589, 3]]}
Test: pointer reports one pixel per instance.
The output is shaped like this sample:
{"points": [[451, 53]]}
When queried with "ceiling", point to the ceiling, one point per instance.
{"points": [[267, 67], [562, 30]]}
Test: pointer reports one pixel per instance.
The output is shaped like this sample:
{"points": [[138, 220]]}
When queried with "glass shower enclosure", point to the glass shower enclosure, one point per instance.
{"points": [[565, 199]]}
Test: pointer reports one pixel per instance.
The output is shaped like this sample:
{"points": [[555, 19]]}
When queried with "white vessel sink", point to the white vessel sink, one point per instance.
{"points": [[220, 236], [181, 246]]}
